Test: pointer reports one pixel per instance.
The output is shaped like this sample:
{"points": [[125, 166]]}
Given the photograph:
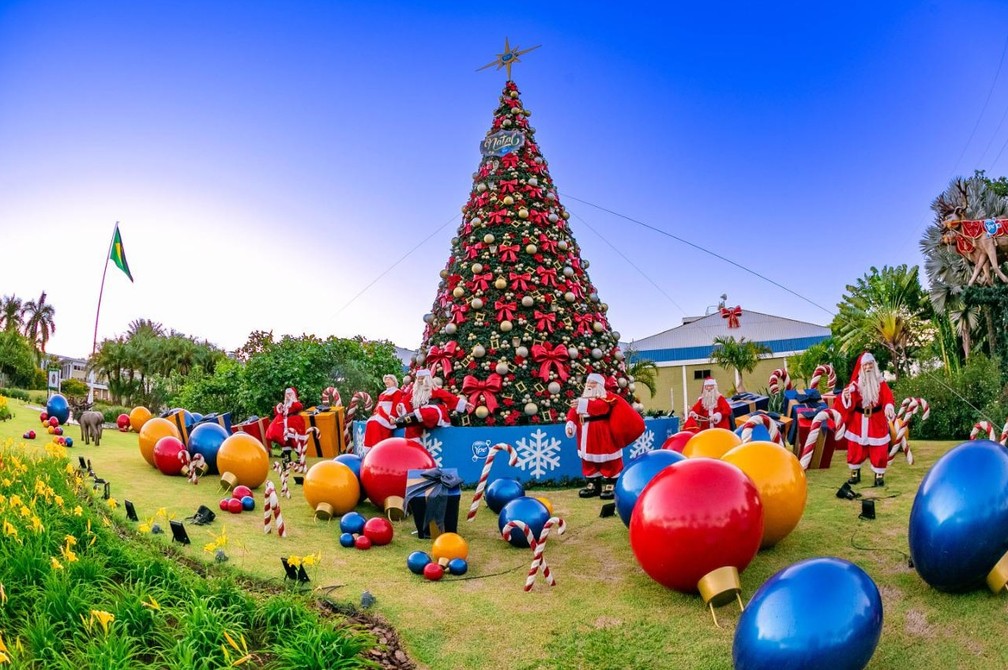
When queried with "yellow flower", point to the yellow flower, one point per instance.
{"points": [[104, 618], [153, 604], [70, 540], [37, 524], [3, 597], [145, 527], [15, 501], [243, 649], [78, 511], [68, 554], [25, 512], [106, 522], [9, 529], [70, 469], [7, 483], [294, 561], [54, 562], [312, 559], [210, 547], [58, 500], [112, 503]]}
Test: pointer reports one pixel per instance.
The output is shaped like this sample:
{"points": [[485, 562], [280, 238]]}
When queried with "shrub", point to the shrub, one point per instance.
{"points": [[17, 394], [957, 399], [5, 412], [111, 412]]}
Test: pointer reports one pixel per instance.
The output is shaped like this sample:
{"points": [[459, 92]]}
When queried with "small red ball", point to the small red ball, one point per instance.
{"points": [[43, 417], [433, 572], [123, 423], [58, 430], [241, 491], [362, 542], [234, 506], [53, 421], [224, 504], [378, 530]]}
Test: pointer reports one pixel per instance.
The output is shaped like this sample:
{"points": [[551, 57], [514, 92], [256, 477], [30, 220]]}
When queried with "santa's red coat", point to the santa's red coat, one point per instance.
{"points": [[722, 408], [286, 420], [590, 417], [435, 413], [382, 422], [869, 428]]}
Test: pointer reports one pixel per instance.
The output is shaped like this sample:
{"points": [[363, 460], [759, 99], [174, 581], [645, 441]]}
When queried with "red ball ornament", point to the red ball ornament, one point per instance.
{"points": [[363, 542], [383, 470], [223, 504], [677, 441], [53, 421], [378, 530], [166, 455], [44, 417], [123, 423], [234, 506], [694, 517], [240, 491], [433, 572]]}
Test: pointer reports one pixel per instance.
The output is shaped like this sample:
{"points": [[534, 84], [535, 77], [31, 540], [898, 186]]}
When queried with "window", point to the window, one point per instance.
{"points": [[701, 374]]}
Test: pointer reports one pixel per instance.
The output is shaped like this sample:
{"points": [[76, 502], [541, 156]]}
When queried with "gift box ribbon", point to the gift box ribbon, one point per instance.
{"points": [[435, 484]]}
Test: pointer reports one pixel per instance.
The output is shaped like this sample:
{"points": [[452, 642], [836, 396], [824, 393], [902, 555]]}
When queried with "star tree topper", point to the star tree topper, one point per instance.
{"points": [[508, 57]]}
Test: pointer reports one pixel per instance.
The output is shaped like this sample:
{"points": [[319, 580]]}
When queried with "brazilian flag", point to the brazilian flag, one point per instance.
{"points": [[118, 254]]}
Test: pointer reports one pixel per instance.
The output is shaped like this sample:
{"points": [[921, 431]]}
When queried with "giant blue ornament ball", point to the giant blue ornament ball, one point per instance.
{"points": [[531, 511], [352, 461], [759, 433], [352, 522], [416, 561], [959, 518], [637, 475], [818, 614], [206, 440], [502, 491], [58, 407]]}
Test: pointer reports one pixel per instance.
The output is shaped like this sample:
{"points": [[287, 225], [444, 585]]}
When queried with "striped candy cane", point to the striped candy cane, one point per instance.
{"points": [[184, 459], [824, 369], [538, 546], [283, 470], [982, 427], [359, 401], [825, 416], [901, 424], [331, 396], [197, 465], [271, 507], [1004, 435], [780, 381], [513, 461], [761, 420]]}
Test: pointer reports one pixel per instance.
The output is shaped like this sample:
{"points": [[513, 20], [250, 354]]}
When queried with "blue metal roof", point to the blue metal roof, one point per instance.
{"points": [[704, 352]]}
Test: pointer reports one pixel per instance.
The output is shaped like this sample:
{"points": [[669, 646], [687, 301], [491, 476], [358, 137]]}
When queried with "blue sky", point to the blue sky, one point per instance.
{"points": [[269, 162]]}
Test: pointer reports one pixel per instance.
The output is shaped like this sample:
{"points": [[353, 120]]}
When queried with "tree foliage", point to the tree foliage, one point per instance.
{"points": [[17, 361], [739, 356]]}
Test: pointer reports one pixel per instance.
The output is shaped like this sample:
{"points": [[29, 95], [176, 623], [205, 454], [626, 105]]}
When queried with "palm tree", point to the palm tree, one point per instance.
{"points": [[641, 370], [739, 356], [38, 322], [10, 313]]}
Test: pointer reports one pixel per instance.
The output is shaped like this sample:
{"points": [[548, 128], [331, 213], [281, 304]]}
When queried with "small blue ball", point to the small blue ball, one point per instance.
{"points": [[248, 503], [639, 474], [531, 511], [69, 441], [959, 519], [58, 407], [416, 561], [352, 522], [819, 614], [458, 566], [347, 540], [502, 491]]}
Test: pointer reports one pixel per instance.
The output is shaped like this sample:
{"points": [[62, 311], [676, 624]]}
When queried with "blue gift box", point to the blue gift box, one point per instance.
{"points": [[801, 403], [747, 403], [426, 486]]}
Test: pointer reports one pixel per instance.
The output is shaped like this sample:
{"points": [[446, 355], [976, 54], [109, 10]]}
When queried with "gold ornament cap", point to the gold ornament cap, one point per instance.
{"points": [[228, 481], [324, 511], [720, 587], [394, 508], [997, 578]]}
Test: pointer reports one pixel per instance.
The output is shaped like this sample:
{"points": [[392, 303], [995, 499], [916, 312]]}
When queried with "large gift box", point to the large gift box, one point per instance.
{"points": [[432, 497], [826, 443], [223, 420], [801, 403], [328, 442], [177, 418], [747, 403], [255, 427]]}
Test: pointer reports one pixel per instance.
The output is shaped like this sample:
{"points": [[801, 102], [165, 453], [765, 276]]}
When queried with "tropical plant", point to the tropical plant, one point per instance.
{"points": [[17, 361], [641, 371], [10, 313], [739, 356], [39, 322]]}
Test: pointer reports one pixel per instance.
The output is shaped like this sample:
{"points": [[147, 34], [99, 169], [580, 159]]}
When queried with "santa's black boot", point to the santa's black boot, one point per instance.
{"points": [[591, 490], [855, 477], [608, 489], [879, 479]]}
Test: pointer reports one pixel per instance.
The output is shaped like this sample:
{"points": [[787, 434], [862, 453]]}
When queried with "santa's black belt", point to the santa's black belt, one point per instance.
{"points": [[869, 411], [600, 417]]}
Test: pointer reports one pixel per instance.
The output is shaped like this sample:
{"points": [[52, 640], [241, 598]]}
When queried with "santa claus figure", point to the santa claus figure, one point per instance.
{"points": [[426, 407], [287, 428], [867, 406], [711, 410], [382, 422], [588, 421]]}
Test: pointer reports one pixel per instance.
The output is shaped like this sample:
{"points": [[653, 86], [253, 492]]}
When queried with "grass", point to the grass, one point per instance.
{"points": [[604, 611]]}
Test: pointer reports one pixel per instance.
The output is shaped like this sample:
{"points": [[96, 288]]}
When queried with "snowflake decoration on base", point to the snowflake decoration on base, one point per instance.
{"points": [[642, 444], [536, 454]]}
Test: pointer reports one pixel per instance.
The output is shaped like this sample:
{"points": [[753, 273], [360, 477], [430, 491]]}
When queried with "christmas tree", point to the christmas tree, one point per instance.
{"points": [[517, 324]]}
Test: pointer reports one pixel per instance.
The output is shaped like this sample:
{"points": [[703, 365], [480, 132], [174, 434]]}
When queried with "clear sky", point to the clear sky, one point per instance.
{"points": [[269, 162]]}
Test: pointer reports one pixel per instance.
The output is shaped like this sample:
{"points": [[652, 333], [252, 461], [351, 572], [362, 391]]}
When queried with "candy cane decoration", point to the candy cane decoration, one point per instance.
{"points": [[283, 469], [1004, 435], [764, 420], [271, 507], [197, 465], [513, 461], [826, 416], [538, 547], [908, 408], [824, 369], [778, 378], [331, 396], [982, 427], [361, 400]]}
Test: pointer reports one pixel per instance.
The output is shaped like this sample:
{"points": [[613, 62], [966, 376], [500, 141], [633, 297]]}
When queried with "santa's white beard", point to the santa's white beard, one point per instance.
{"points": [[421, 395], [709, 398], [868, 386], [594, 392]]}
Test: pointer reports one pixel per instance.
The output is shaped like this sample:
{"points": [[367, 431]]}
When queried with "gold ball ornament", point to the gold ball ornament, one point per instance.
{"points": [[478, 351], [508, 200], [569, 296], [528, 301], [477, 303], [562, 245], [597, 326], [489, 238], [477, 221], [513, 94], [482, 412], [458, 292], [502, 368], [500, 284], [523, 213], [565, 214], [506, 326], [476, 267], [443, 274], [531, 249]]}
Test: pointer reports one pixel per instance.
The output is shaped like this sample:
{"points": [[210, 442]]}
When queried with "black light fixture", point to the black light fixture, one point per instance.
{"points": [[83, 464], [845, 492], [296, 574], [179, 533], [867, 509], [130, 510], [608, 509]]}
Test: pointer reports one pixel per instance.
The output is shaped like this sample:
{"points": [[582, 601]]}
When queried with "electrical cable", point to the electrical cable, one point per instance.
{"points": [[983, 109]]}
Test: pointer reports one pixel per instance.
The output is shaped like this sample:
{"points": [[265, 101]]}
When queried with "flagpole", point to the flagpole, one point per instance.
{"points": [[108, 255]]}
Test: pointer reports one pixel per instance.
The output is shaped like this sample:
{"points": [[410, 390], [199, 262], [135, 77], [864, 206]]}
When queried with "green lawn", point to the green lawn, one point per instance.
{"points": [[604, 611]]}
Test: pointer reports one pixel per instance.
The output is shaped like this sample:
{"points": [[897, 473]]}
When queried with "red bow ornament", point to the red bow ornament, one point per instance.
{"points": [[509, 160], [486, 391], [545, 321], [481, 281], [506, 186], [458, 312], [443, 356], [548, 357], [547, 276], [498, 215], [546, 244], [505, 310], [520, 282], [473, 250], [508, 253], [584, 323], [732, 314]]}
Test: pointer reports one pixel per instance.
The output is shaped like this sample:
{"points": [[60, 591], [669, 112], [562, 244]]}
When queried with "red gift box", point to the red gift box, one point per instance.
{"points": [[826, 444], [256, 428]]}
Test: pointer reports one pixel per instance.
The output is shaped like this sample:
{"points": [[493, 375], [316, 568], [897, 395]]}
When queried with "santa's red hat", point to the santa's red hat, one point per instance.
{"points": [[595, 377], [611, 384], [865, 357], [709, 381]]}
